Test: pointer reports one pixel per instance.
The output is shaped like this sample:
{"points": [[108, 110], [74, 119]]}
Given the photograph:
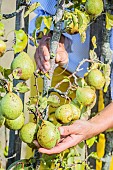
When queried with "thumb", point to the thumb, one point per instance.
{"points": [[66, 130], [58, 58]]}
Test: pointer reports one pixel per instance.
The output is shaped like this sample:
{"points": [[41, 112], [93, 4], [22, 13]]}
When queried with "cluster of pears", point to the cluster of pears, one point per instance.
{"points": [[11, 111], [85, 96], [46, 134]]}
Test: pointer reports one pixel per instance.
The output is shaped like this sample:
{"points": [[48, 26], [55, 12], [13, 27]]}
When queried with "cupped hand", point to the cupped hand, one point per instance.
{"points": [[70, 136], [42, 56]]}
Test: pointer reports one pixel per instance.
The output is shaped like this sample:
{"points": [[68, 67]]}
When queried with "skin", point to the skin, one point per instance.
{"points": [[42, 56], [82, 129]]}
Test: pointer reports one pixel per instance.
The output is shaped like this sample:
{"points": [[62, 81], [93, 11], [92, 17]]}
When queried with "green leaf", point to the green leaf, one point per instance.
{"points": [[18, 164], [94, 155], [1, 29], [83, 20], [1, 17], [2, 89], [21, 87], [106, 72], [91, 141], [1, 69], [80, 166], [92, 55], [74, 18], [42, 103], [32, 108], [81, 145], [81, 82], [31, 8], [70, 161], [38, 22], [21, 41], [46, 31], [7, 72], [47, 21], [109, 21], [94, 42], [6, 151], [53, 101]]}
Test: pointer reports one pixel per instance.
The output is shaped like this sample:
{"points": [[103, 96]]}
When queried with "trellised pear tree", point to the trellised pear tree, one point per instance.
{"points": [[72, 17]]}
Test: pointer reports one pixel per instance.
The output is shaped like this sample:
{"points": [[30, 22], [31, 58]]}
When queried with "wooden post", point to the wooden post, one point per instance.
{"points": [[14, 140]]}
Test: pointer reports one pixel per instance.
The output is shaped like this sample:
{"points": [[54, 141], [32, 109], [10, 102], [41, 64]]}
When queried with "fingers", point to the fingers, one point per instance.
{"points": [[36, 143], [62, 55], [68, 142], [67, 130], [42, 56]]}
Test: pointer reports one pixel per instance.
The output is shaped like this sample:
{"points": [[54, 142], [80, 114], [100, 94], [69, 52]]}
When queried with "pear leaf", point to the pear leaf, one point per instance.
{"points": [[47, 21], [21, 41], [1, 29], [31, 8], [7, 72], [92, 55], [94, 42], [42, 101], [32, 108], [53, 101], [109, 21], [83, 20], [21, 87], [106, 73], [38, 22], [94, 155], [66, 79], [91, 141]]}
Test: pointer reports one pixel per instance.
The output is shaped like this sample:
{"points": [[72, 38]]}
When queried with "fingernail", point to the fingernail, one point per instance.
{"points": [[61, 131], [47, 58]]}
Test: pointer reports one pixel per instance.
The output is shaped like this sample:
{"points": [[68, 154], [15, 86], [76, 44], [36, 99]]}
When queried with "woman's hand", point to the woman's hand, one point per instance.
{"points": [[71, 135]]}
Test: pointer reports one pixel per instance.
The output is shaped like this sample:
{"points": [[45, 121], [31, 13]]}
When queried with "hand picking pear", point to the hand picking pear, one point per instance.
{"points": [[48, 135]]}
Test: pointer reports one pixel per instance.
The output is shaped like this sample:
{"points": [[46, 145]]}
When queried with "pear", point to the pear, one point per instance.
{"points": [[11, 106], [15, 124], [24, 62], [64, 113], [95, 78], [2, 118], [27, 132], [76, 112], [94, 7], [2, 47], [85, 95], [48, 135]]}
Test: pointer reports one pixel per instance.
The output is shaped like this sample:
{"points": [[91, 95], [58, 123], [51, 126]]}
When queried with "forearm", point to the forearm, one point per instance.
{"points": [[103, 120]]}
